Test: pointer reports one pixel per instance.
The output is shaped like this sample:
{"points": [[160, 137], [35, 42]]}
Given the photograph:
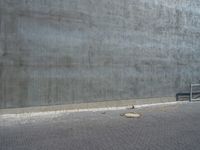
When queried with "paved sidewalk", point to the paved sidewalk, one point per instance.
{"points": [[175, 127]]}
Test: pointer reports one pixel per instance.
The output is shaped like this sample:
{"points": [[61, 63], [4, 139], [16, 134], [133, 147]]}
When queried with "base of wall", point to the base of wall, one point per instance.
{"points": [[96, 105]]}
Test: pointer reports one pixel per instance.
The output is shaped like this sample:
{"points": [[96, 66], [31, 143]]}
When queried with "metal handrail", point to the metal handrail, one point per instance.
{"points": [[191, 92]]}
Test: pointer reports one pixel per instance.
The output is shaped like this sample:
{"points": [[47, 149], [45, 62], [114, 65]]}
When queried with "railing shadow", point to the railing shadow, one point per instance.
{"points": [[182, 96]]}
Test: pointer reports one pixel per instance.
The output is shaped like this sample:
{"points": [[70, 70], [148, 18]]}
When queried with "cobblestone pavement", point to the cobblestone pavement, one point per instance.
{"points": [[175, 127]]}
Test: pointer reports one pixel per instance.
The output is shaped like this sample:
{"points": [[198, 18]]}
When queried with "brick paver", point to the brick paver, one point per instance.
{"points": [[174, 127]]}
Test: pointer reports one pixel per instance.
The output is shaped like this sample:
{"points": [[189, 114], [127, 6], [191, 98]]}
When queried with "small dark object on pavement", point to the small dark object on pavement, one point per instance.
{"points": [[103, 113]]}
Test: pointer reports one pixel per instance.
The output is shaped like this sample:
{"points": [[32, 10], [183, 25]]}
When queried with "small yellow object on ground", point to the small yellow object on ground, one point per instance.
{"points": [[132, 115]]}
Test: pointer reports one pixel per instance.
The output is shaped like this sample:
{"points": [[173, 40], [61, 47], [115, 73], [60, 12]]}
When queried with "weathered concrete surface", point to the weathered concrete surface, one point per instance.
{"points": [[159, 128], [72, 51]]}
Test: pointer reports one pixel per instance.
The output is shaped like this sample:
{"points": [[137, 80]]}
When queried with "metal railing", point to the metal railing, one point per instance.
{"points": [[191, 92]]}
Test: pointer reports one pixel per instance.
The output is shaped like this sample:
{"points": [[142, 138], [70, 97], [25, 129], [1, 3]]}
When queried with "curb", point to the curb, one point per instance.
{"points": [[93, 106], [91, 109]]}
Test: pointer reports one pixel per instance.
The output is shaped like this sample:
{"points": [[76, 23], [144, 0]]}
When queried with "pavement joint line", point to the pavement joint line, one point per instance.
{"points": [[57, 112]]}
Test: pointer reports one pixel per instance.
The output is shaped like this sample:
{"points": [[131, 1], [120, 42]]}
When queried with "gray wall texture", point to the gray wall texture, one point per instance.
{"points": [[73, 51]]}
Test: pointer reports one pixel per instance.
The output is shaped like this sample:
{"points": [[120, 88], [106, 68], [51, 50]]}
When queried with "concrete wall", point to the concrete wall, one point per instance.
{"points": [[74, 51]]}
